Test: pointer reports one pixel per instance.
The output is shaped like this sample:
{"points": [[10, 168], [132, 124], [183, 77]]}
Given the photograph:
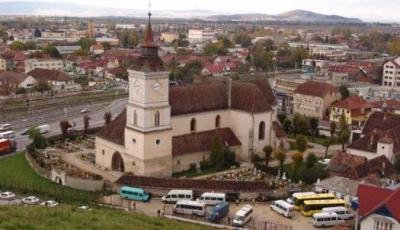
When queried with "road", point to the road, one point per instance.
{"points": [[74, 117]]}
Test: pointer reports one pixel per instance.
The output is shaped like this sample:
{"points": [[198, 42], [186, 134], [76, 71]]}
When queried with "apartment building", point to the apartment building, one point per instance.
{"points": [[201, 35], [391, 73], [54, 64]]}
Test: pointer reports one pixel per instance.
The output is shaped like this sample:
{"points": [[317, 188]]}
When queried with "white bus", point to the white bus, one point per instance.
{"points": [[190, 207], [282, 207], [9, 135], [290, 199], [343, 212], [325, 219], [211, 198], [243, 216], [174, 196]]}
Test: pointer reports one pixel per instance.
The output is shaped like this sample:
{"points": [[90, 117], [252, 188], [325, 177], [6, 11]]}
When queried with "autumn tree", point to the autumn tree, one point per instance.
{"points": [[297, 161], [64, 126], [280, 156], [301, 143], [267, 153], [311, 160], [344, 133]]}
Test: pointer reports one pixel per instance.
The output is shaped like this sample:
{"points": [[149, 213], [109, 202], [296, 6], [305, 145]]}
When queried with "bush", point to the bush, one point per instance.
{"points": [[205, 164], [192, 167], [311, 175], [266, 169]]}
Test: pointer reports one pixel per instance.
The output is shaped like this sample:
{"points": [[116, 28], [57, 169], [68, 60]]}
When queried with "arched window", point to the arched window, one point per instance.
{"points": [[217, 121], [193, 125], [261, 131], [135, 118], [157, 119]]}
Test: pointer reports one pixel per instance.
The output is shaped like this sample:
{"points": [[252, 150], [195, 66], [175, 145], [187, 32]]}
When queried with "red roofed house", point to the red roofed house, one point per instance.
{"points": [[313, 98], [169, 129], [355, 109], [97, 49], [379, 208]]}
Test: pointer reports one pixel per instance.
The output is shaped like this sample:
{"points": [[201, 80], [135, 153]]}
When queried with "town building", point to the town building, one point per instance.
{"points": [[355, 109], [313, 98], [391, 73], [56, 79], [43, 63], [168, 129], [201, 35], [378, 208], [97, 49], [67, 49], [169, 37], [341, 187]]}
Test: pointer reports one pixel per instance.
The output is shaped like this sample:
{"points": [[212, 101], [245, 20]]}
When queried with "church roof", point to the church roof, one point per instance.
{"points": [[115, 131], [202, 141]]}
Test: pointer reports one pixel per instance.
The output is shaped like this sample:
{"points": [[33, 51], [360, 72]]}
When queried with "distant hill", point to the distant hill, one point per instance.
{"points": [[72, 9], [291, 16]]}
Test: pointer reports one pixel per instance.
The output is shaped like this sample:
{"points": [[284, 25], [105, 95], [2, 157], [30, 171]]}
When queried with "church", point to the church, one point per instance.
{"points": [[166, 129]]}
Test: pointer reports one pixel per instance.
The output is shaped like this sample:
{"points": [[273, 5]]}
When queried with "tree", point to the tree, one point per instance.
{"points": [[17, 45], [397, 162], [344, 133], [280, 156], [86, 43], [267, 152], [41, 86], [86, 124], [261, 58], [300, 124], [311, 160], [106, 45], [107, 118], [64, 126], [3, 35], [327, 142], [217, 153], [297, 161], [333, 127], [29, 45], [52, 51], [297, 55], [242, 39], [281, 118], [344, 92], [38, 141], [287, 124], [301, 143], [314, 123]]}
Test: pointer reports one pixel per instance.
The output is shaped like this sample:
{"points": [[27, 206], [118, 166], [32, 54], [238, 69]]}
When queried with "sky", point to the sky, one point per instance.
{"points": [[368, 10]]}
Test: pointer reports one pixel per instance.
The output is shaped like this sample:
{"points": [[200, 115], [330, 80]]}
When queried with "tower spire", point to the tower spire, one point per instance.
{"points": [[148, 36]]}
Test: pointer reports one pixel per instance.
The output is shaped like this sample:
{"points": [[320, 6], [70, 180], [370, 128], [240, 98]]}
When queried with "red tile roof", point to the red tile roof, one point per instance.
{"points": [[115, 130], [278, 130], [371, 199], [381, 121], [202, 141], [314, 88], [353, 102], [49, 75]]}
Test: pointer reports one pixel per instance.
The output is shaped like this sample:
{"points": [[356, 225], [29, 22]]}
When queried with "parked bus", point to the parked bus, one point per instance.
{"points": [[326, 219], [174, 196], [299, 200], [218, 212], [282, 207], [211, 198], [315, 206], [242, 216], [190, 207], [131, 193], [290, 199], [343, 212]]}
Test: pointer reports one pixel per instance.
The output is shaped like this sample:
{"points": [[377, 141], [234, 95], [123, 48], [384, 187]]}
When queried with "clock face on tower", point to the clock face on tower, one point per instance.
{"points": [[136, 87], [157, 86]]}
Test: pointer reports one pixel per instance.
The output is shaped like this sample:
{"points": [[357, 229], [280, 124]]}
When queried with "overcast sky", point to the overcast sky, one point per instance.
{"points": [[369, 10]]}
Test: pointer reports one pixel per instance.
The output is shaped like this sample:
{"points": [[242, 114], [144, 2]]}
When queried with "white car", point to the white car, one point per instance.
{"points": [[325, 161], [49, 204], [7, 195], [30, 200], [85, 110]]}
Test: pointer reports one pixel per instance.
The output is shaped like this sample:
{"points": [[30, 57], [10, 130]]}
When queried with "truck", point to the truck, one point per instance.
{"points": [[6, 147], [218, 212]]}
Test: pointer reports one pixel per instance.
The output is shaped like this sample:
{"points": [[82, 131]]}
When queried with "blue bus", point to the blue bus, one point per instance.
{"points": [[218, 212], [131, 193]]}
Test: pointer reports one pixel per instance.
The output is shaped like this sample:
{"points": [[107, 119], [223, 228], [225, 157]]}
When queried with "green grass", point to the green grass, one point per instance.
{"points": [[305, 174], [17, 175], [67, 217], [293, 146], [317, 140]]}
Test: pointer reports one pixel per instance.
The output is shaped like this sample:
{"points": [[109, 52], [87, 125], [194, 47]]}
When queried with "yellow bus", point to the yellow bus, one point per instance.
{"points": [[298, 200], [315, 206]]}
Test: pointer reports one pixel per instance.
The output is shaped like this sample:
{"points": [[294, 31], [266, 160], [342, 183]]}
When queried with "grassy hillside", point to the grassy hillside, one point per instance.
{"points": [[68, 217]]}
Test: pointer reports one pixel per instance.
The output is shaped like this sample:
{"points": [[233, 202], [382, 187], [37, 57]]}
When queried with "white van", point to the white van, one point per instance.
{"points": [[325, 219], [210, 198], [290, 199], [43, 128], [282, 207], [174, 196], [343, 212], [242, 216], [190, 207], [5, 127], [9, 135]]}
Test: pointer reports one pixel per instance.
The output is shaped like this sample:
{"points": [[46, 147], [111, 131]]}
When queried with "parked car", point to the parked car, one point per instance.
{"points": [[49, 204], [5, 127], [85, 110], [325, 161], [7, 195], [25, 132], [30, 200]]}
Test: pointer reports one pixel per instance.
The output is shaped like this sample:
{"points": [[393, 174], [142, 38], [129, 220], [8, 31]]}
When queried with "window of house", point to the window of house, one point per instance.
{"points": [[157, 119], [193, 125], [217, 121], [103, 152], [135, 118], [261, 131], [381, 224], [158, 141]]}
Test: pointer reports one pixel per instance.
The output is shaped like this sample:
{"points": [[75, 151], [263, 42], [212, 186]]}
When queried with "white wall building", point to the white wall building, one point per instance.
{"points": [[201, 35], [31, 64]]}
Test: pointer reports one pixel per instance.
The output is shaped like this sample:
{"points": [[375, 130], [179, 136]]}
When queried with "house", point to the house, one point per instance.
{"points": [[355, 109], [11, 81], [43, 63], [58, 80], [67, 49], [167, 129], [389, 105], [380, 136], [97, 49], [117, 72], [378, 208], [164, 50], [313, 98], [169, 37], [342, 187], [391, 73], [198, 36], [219, 69]]}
